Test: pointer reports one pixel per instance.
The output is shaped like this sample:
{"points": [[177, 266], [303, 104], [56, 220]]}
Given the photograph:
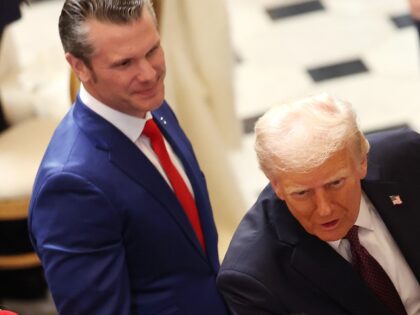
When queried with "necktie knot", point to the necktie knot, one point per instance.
{"points": [[151, 130], [353, 236]]}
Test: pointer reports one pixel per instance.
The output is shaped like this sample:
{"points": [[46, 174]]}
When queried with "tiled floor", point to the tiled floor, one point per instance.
{"points": [[365, 51]]}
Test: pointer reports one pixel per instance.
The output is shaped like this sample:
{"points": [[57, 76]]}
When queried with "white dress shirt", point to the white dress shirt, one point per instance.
{"points": [[132, 127], [375, 237]]}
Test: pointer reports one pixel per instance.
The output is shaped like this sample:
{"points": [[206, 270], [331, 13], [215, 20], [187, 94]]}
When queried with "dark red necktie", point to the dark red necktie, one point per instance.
{"points": [[373, 274], [151, 130]]}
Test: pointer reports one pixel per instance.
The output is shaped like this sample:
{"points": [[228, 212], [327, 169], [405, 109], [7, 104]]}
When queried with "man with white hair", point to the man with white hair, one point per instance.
{"points": [[328, 235]]}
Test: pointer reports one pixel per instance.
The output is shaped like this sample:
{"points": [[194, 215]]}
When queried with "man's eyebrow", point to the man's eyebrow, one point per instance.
{"points": [[294, 189], [340, 174], [298, 188], [117, 60]]}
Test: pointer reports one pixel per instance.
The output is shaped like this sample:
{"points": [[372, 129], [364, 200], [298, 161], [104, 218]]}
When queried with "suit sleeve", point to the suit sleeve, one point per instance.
{"points": [[77, 233], [245, 295]]}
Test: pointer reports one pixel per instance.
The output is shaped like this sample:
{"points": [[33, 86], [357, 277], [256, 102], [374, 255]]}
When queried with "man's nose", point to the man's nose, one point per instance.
{"points": [[323, 203], [146, 72]]}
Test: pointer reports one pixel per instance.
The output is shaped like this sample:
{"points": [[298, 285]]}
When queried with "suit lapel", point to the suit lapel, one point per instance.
{"points": [[182, 149], [331, 273], [401, 219], [126, 156]]}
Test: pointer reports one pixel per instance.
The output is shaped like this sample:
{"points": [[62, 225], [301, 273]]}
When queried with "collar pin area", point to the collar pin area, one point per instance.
{"points": [[396, 200]]}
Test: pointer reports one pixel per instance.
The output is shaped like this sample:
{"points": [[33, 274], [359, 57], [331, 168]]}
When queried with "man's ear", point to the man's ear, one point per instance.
{"points": [[79, 67], [363, 167], [275, 184]]}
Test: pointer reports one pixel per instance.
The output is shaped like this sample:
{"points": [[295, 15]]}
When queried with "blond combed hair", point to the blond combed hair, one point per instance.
{"points": [[301, 135]]}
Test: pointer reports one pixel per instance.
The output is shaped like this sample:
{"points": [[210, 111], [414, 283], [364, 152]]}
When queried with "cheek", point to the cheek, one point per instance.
{"points": [[159, 64], [349, 200], [127, 82], [353, 191], [109, 79], [302, 212], [160, 58]]}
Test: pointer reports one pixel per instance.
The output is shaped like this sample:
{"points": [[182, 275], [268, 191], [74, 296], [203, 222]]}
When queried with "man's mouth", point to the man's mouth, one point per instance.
{"points": [[147, 92], [330, 225]]}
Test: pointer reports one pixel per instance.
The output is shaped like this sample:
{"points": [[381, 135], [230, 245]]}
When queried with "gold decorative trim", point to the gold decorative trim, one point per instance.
{"points": [[21, 261], [14, 209]]}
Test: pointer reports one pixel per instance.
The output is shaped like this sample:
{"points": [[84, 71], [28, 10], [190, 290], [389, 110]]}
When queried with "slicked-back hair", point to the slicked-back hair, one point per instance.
{"points": [[73, 19]]}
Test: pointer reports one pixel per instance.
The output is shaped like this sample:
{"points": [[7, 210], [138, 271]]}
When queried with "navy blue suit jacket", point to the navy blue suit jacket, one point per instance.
{"points": [[110, 232], [273, 266]]}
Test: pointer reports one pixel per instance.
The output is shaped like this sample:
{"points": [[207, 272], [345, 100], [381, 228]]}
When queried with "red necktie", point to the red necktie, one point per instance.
{"points": [[373, 274], [181, 190]]}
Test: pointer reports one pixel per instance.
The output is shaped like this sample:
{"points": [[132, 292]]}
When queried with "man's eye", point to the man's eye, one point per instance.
{"points": [[153, 50], [124, 63], [301, 194], [337, 183]]}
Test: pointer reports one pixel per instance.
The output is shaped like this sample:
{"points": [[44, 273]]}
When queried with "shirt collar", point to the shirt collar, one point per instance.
{"points": [[364, 219], [131, 126]]}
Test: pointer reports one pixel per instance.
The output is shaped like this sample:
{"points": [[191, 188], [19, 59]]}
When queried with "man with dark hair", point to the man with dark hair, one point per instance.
{"points": [[120, 214]]}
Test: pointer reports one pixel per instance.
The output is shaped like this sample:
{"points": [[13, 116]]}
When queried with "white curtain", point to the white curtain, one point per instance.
{"points": [[199, 86]]}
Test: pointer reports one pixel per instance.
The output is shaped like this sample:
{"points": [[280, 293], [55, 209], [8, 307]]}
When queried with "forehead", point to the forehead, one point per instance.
{"points": [[340, 164], [120, 38]]}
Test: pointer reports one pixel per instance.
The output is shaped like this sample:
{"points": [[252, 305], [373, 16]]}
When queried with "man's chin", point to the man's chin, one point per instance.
{"points": [[330, 236], [148, 104]]}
